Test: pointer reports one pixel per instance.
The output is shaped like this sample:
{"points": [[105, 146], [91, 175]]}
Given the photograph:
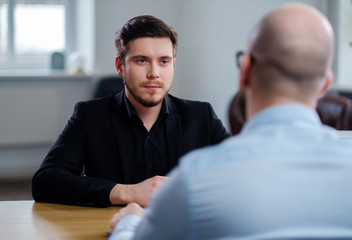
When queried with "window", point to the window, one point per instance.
{"points": [[31, 31]]}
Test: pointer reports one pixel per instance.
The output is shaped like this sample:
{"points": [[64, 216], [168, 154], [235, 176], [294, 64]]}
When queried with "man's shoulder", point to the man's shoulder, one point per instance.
{"points": [[98, 107], [205, 158], [186, 103], [101, 102]]}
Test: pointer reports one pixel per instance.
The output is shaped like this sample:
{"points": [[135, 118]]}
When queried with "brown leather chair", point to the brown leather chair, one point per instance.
{"points": [[237, 113], [106, 85], [335, 111]]}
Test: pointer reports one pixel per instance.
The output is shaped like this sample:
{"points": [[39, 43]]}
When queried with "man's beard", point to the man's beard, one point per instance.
{"points": [[140, 100]]}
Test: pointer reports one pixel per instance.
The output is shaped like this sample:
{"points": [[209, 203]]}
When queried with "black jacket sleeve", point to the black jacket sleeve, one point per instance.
{"points": [[61, 179], [218, 131]]}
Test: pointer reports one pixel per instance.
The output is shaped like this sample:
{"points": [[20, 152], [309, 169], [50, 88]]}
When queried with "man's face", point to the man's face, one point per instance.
{"points": [[148, 70]]}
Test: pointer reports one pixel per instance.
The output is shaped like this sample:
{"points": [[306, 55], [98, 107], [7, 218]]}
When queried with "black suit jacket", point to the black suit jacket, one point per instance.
{"points": [[93, 143]]}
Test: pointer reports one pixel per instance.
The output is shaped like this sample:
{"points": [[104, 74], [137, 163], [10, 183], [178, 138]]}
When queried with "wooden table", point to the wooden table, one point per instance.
{"points": [[39, 221]]}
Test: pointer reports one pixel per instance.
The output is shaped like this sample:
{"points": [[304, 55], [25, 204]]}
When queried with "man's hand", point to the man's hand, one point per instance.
{"points": [[138, 193], [130, 209]]}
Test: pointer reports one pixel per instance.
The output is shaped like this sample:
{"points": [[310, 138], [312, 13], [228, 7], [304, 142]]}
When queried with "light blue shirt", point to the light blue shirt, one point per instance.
{"points": [[284, 175]]}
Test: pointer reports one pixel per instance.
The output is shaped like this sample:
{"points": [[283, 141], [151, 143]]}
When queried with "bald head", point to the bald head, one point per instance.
{"points": [[293, 43]]}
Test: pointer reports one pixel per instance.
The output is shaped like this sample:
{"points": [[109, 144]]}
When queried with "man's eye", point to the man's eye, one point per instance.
{"points": [[165, 61], [141, 60]]}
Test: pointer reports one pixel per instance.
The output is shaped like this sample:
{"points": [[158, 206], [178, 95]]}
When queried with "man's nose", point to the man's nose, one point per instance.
{"points": [[153, 71]]}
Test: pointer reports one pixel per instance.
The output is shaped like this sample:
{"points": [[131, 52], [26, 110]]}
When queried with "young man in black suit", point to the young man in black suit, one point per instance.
{"points": [[116, 149]]}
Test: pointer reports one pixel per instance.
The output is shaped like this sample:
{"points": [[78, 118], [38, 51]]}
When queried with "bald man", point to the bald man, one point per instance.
{"points": [[285, 176]]}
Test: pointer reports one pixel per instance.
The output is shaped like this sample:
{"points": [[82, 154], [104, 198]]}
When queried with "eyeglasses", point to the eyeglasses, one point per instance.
{"points": [[239, 58]]}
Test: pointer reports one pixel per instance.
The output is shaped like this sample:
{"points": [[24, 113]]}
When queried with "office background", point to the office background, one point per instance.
{"points": [[35, 106]]}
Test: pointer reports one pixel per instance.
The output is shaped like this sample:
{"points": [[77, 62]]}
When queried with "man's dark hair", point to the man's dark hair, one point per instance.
{"points": [[142, 26]]}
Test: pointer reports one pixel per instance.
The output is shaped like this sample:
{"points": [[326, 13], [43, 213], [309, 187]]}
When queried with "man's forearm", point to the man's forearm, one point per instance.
{"points": [[139, 193], [120, 194]]}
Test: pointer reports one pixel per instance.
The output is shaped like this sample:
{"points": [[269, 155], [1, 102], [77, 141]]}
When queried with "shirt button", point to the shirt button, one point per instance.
{"points": [[148, 136]]}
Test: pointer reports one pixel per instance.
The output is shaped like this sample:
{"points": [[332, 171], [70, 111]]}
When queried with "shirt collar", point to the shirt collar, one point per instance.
{"points": [[164, 111], [284, 113]]}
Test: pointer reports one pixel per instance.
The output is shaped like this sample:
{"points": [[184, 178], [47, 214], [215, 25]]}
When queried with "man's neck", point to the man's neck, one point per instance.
{"points": [[148, 115], [255, 105]]}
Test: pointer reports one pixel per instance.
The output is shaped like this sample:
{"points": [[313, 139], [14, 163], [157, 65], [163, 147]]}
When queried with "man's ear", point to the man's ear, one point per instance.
{"points": [[245, 71], [119, 66], [327, 82]]}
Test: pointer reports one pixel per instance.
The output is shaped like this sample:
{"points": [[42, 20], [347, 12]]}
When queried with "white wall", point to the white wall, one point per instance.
{"points": [[34, 111], [85, 28], [344, 49]]}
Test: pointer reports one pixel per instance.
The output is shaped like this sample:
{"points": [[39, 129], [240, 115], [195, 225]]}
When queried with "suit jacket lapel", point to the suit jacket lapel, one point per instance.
{"points": [[173, 133], [123, 135]]}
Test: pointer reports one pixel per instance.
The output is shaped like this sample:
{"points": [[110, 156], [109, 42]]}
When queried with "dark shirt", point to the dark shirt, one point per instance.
{"points": [[149, 148]]}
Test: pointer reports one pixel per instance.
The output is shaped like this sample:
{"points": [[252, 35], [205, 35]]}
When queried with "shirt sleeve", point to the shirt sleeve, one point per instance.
{"points": [[166, 218], [126, 228]]}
